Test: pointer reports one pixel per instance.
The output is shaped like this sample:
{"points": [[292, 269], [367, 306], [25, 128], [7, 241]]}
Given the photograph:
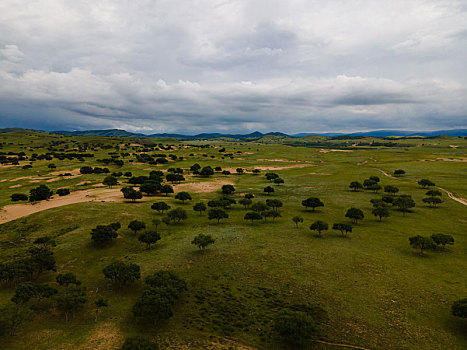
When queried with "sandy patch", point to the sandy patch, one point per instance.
{"points": [[135, 145], [453, 146], [3, 180], [334, 150], [463, 159], [282, 160], [72, 172], [106, 335], [14, 186], [38, 178], [283, 167], [54, 179], [319, 174], [16, 211], [202, 187], [83, 183], [361, 163]]}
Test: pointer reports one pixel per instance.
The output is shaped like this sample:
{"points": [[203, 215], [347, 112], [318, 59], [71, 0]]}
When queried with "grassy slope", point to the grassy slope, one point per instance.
{"points": [[378, 292]]}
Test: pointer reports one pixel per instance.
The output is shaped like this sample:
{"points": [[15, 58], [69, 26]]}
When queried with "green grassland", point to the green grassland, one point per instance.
{"points": [[378, 292]]}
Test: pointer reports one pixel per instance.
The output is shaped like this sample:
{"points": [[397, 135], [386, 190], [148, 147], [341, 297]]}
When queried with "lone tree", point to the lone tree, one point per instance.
{"points": [[381, 212], [103, 234], [202, 241], [343, 227], [459, 308], [268, 190], [99, 303], [136, 226], [228, 189], [160, 206], [110, 181], [200, 207], [40, 193], [391, 190], [295, 327], [138, 342], [355, 186], [131, 193], [279, 181], [319, 226], [120, 273], [252, 215], [425, 183], [442, 239], [404, 202], [183, 196], [354, 214], [313, 203], [422, 243], [218, 214], [297, 220], [399, 172], [245, 202], [271, 176], [149, 237], [206, 171], [177, 214]]}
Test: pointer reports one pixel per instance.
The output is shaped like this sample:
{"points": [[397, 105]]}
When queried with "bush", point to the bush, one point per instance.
{"points": [[295, 327], [63, 192], [137, 342], [19, 197]]}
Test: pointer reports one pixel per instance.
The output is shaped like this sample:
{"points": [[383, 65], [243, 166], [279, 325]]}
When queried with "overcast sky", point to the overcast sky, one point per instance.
{"points": [[233, 66]]}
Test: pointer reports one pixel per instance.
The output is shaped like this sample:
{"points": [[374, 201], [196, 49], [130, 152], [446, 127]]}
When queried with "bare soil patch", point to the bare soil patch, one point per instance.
{"points": [[320, 174], [450, 195], [283, 167], [202, 187], [334, 150], [105, 336], [72, 172], [14, 186]]}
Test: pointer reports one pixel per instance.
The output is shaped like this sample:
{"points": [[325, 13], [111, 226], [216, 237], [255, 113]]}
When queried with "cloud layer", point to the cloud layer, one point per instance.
{"points": [[206, 65]]}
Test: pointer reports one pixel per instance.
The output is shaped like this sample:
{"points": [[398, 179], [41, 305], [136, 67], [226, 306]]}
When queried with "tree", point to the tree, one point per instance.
{"points": [[434, 193], [275, 204], [40, 193], [295, 327], [319, 226], [183, 196], [297, 220], [18, 197], [381, 212], [252, 215], [71, 300], [432, 201], [404, 202], [226, 172], [228, 189], [156, 222], [149, 237], [67, 279], [137, 342], [343, 227], [131, 193], [271, 176], [391, 190], [40, 260], [136, 226], [442, 239], [239, 171], [110, 181], [355, 186], [120, 273], [99, 303], [375, 188], [195, 167], [374, 178], [12, 317], [128, 174], [85, 170], [355, 214], [245, 202], [218, 214], [206, 171], [200, 207], [368, 183], [103, 234], [268, 190], [459, 308], [425, 183], [312, 203], [160, 206], [422, 243], [174, 178], [202, 241], [45, 242], [271, 214], [249, 195], [150, 187], [259, 207], [51, 166], [167, 189], [177, 214], [278, 181], [399, 172], [63, 192]]}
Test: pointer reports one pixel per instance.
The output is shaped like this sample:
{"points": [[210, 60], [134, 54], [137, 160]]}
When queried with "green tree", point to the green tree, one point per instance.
{"points": [[245, 202], [295, 327], [425, 183], [45, 242], [404, 202], [381, 212], [206, 171], [344, 228], [103, 234], [319, 226], [120, 273], [67, 279], [177, 214], [355, 186], [399, 172], [40, 193], [228, 189], [355, 214], [167, 189], [99, 303], [218, 214], [391, 190], [40, 260], [442, 239], [149, 237], [275, 204], [71, 300], [268, 190], [200, 207], [202, 241], [312, 203], [183, 196], [15, 197], [297, 220], [12, 317], [271, 176], [252, 215], [259, 207], [110, 181], [160, 206], [279, 181], [271, 214], [432, 201], [136, 226], [459, 308], [131, 193], [434, 193], [422, 243]]}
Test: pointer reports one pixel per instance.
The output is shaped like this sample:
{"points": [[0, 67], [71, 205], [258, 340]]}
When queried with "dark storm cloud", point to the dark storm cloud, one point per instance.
{"points": [[195, 66]]}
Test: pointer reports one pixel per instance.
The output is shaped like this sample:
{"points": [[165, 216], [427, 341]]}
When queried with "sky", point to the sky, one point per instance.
{"points": [[185, 66]]}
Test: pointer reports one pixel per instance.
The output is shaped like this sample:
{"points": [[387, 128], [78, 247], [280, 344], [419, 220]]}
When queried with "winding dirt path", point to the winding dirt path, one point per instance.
{"points": [[450, 195], [16, 211], [348, 346]]}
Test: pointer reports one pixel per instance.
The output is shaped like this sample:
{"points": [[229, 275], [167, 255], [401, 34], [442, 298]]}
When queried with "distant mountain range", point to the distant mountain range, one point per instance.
{"points": [[250, 136], [257, 134]]}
